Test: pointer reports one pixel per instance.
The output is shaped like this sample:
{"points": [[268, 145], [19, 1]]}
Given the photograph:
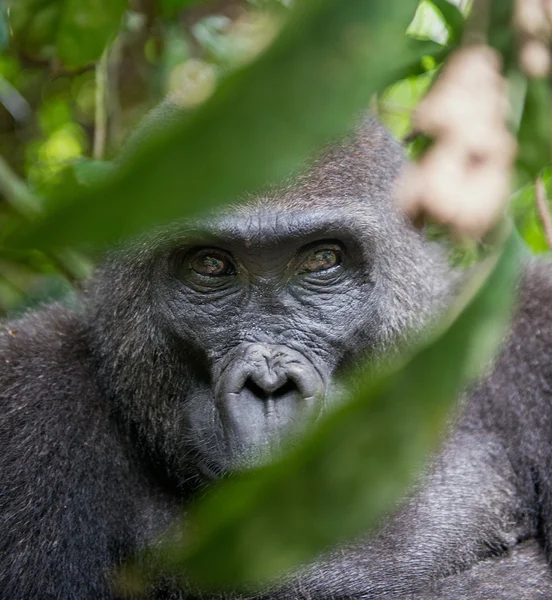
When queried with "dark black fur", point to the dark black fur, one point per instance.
{"points": [[113, 415]]}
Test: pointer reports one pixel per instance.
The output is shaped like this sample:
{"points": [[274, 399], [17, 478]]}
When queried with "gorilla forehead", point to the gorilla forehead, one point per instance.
{"points": [[263, 223]]}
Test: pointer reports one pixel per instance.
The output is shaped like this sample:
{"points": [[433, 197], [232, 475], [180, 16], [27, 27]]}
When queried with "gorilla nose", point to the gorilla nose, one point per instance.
{"points": [[266, 384], [275, 372], [264, 389], [269, 373]]}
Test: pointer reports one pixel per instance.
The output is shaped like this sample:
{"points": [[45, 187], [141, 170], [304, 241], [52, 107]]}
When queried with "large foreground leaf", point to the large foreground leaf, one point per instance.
{"points": [[354, 466], [328, 61]]}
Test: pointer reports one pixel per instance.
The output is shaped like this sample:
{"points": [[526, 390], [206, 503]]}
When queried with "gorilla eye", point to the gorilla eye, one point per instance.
{"points": [[212, 263], [322, 259]]}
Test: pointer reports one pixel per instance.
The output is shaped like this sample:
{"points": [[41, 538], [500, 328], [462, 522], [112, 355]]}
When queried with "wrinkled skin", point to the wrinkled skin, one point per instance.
{"points": [[197, 351]]}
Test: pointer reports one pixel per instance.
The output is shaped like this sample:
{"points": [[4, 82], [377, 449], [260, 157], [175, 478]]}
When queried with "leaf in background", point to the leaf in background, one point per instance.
{"points": [[535, 147], [356, 463], [453, 18], [418, 52], [501, 33], [261, 122], [75, 31], [526, 215], [170, 8], [88, 172]]}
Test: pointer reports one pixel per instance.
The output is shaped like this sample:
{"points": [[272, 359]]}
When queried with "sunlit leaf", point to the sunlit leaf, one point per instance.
{"points": [[354, 466], [526, 216], [453, 19], [75, 31]]}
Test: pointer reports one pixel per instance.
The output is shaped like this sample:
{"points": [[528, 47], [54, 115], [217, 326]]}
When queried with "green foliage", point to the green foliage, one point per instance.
{"points": [[500, 31], [75, 31], [260, 123], [526, 217], [453, 19], [535, 145], [171, 7]]}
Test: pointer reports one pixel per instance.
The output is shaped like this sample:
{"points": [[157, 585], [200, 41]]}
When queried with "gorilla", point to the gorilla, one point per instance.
{"points": [[195, 350]]}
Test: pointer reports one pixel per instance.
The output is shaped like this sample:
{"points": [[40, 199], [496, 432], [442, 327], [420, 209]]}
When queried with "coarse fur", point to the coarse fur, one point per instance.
{"points": [[113, 415]]}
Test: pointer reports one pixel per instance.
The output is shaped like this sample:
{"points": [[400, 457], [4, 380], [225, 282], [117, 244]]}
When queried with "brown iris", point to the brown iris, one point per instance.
{"points": [[321, 259], [212, 263]]}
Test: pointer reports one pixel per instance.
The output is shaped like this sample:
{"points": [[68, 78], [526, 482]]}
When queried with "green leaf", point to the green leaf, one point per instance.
{"points": [[88, 172], [357, 462], [453, 18], [170, 8], [535, 147], [523, 209], [419, 51], [262, 121], [75, 31], [501, 34]]}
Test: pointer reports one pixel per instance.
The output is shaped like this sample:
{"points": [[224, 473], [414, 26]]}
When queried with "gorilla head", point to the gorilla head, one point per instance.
{"points": [[226, 333]]}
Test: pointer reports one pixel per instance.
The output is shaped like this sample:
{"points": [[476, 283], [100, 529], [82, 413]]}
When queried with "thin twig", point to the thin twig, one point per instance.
{"points": [[543, 209], [100, 130]]}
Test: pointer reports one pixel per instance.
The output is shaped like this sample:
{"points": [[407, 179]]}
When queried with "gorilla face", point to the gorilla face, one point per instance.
{"points": [[217, 340], [269, 304]]}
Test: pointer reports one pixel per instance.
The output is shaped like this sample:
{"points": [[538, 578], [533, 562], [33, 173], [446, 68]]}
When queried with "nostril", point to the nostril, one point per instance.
{"points": [[288, 387], [256, 390]]}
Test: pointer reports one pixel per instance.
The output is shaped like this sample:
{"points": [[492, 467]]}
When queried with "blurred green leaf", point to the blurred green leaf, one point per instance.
{"points": [[418, 52], [526, 216], [357, 462], [88, 172], [501, 33], [453, 18], [170, 8], [262, 121], [75, 31], [535, 144]]}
